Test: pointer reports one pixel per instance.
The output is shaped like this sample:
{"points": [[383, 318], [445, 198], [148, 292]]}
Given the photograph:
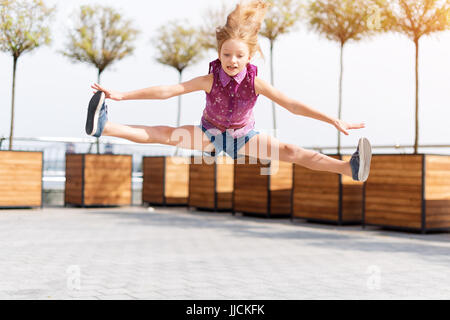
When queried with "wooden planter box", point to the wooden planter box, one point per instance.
{"points": [[165, 180], [20, 179], [408, 192], [263, 195], [326, 197], [211, 183], [98, 180]]}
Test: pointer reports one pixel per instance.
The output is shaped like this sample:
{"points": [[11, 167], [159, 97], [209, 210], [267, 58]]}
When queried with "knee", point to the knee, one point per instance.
{"points": [[178, 135], [290, 152], [159, 134]]}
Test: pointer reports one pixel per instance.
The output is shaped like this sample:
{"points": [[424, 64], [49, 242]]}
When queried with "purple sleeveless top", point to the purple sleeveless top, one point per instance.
{"points": [[229, 105]]}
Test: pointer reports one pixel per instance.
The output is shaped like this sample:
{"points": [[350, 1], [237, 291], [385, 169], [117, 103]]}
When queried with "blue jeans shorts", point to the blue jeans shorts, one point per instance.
{"points": [[226, 143]]}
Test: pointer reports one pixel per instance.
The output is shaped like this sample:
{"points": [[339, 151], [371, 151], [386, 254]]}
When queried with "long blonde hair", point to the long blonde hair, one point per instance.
{"points": [[244, 23]]}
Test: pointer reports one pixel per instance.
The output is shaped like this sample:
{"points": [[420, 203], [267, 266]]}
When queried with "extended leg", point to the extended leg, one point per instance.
{"points": [[187, 137], [263, 146]]}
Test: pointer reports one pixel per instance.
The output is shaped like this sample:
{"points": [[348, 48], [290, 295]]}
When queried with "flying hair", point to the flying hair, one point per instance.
{"points": [[244, 23]]}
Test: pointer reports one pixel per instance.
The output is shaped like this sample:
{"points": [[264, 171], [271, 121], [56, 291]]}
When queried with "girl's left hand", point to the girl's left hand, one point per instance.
{"points": [[343, 126]]}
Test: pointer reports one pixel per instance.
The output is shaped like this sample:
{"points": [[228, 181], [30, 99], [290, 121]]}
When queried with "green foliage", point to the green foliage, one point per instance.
{"points": [[24, 25], [416, 18], [281, 17], [345, 20], [101, 36], [177, 45], [213, 18]]}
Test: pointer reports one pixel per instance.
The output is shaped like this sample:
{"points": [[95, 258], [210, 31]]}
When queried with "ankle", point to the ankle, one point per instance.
{"points": [[347, 169]]}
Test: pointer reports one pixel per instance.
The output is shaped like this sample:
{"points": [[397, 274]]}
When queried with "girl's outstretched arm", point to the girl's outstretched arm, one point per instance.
{"points": [[298, 108], [159, 92]]}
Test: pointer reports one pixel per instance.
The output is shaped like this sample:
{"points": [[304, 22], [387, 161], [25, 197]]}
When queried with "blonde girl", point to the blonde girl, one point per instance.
{"points": [[227, 124]]}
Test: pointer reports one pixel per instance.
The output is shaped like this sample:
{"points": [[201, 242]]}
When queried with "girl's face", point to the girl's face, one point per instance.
{"points": [[234, 56]]}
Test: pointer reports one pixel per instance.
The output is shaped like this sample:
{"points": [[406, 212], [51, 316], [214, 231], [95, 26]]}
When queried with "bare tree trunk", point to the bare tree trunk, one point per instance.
{"points": [[98, 139], [340, 95], [274, 117], [179, 108], [11, 133], [179, 102], [416, 138]]}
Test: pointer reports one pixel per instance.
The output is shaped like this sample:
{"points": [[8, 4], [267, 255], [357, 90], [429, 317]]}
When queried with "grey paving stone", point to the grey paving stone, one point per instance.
{"points": [[175, 253], [116, 297]]}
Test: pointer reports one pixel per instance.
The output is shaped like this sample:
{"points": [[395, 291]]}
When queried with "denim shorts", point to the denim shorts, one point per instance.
{"points": [[226, 143]]}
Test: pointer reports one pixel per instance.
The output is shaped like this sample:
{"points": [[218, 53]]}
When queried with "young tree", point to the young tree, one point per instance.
{"points": [[213, 18], [281, 18], [178, 46], [100, 37], [24, 26], [417, 18], [343, 21]]}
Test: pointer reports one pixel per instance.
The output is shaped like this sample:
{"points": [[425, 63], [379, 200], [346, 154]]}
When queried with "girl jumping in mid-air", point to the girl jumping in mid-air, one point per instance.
{"points": [[232, 88]]}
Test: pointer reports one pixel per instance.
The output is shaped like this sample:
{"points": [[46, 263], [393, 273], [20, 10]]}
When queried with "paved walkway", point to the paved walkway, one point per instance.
{"points": [[174, 253]]}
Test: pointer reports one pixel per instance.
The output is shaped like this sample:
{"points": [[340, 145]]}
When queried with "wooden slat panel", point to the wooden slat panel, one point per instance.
{"points": [[250, 208], [352, 201], [352, 197], [316, 194], [153, 179], [107, 179], [201, 183], [395, 220], [176, 200], [437, 177], [281, 175], [225, 200], [20, 178], [437, 191], [280, 201], [250, 188], [225, 175], [394, 191], [122, 199], [177, 177]]}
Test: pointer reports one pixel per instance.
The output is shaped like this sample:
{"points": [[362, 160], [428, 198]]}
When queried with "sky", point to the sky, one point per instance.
{"points": [[52, 93]]}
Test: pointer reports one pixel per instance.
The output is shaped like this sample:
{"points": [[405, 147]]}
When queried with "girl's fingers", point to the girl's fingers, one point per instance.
{"points": [[357, 126], [99, 88], [341, 129]]}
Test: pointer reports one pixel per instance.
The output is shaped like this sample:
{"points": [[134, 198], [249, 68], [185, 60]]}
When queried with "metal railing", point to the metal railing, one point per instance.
{"points": [[54, 150], [397, 148]]}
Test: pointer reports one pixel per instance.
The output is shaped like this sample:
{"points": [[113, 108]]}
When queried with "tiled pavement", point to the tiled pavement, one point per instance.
{"points": [[175, 253]]}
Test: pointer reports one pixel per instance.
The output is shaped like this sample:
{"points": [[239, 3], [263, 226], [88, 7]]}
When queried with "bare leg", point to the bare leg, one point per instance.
{"points": [[267, 147], [188, 137]]}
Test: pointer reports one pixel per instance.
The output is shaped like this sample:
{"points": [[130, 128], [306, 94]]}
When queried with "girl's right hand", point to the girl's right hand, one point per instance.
{"points": [[109, 94]]}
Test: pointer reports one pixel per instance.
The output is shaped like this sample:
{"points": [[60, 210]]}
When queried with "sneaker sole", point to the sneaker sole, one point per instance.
{"points": [[365, 157], [95, 105]]}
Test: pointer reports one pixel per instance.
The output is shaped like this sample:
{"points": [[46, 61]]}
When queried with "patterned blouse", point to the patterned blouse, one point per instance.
{"points": [[229, 105]]}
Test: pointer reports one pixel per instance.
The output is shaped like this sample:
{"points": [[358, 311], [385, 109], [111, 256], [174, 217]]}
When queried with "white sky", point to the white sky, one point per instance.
{"points": [[52, 93]]}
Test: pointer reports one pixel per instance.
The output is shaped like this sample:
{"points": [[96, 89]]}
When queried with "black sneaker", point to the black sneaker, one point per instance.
{"points": [[95, 104], [360, 160]]}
